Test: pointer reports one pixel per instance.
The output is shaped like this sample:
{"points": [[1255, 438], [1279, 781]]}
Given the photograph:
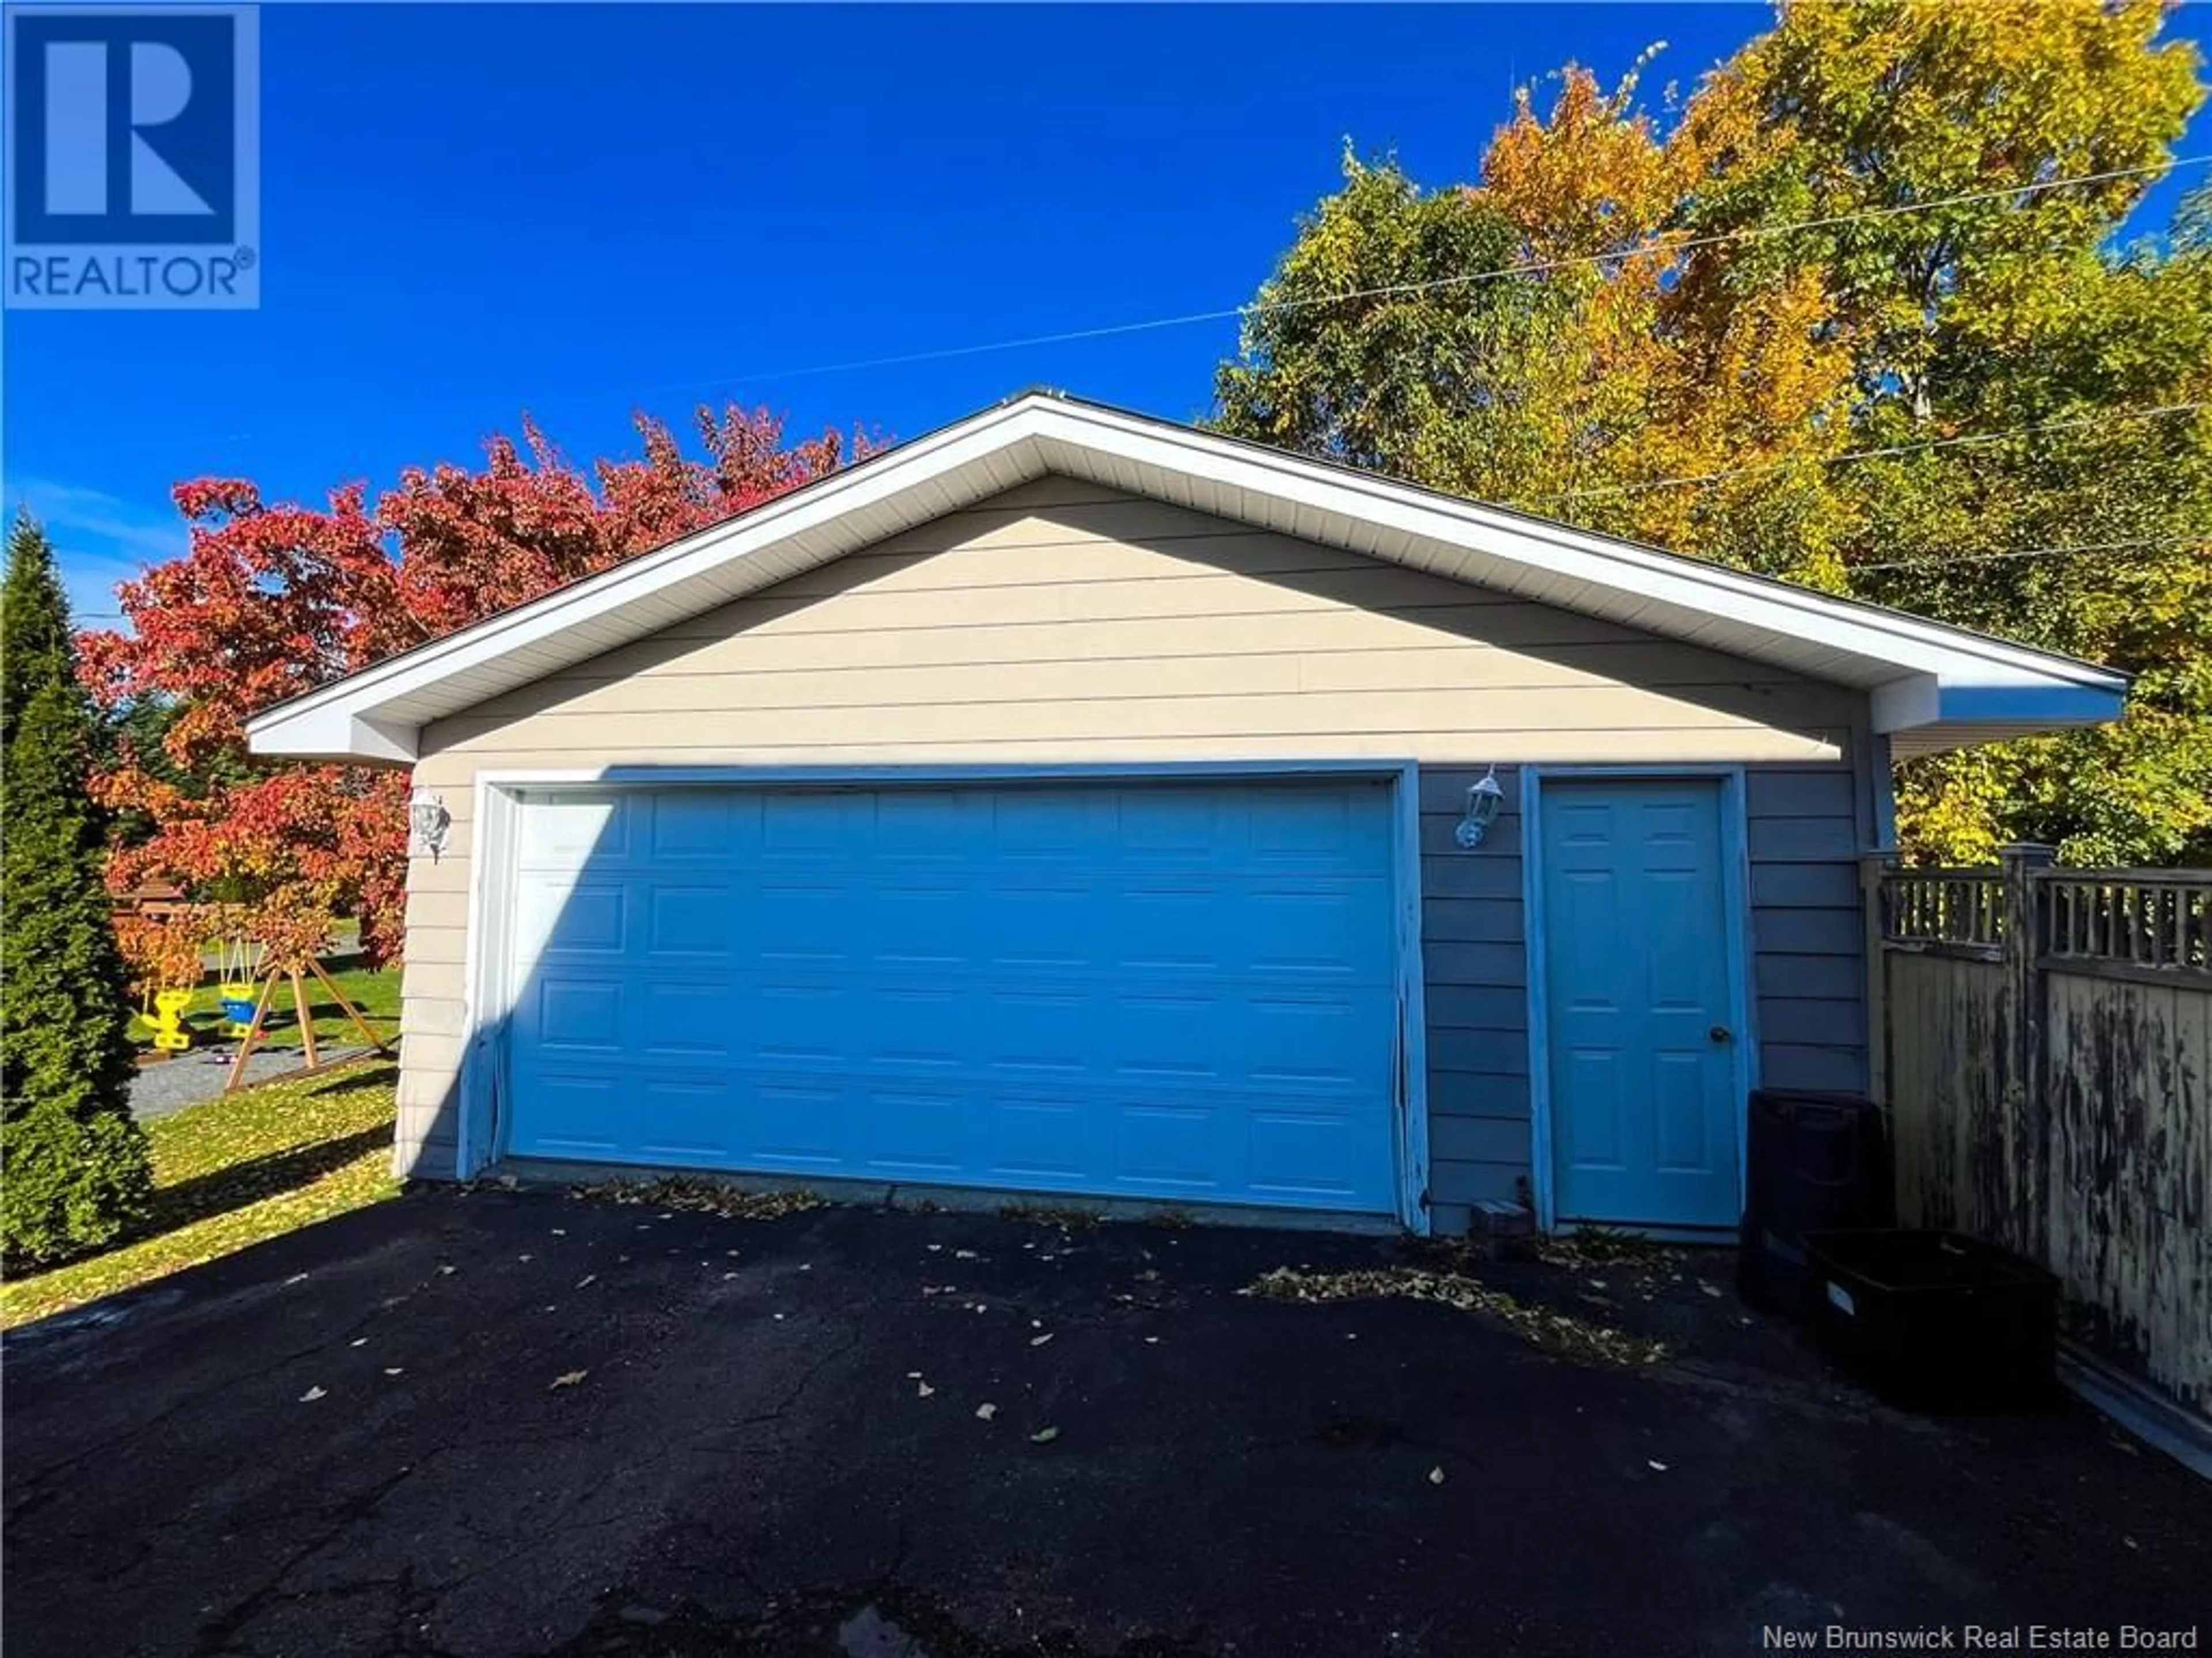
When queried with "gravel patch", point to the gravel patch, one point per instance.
{"points": [[170, 1085]]}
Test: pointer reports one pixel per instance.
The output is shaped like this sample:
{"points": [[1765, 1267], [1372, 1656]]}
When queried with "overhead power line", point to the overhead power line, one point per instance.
{"points": [[1940, 559], [2073, 422], [1521, 267]]}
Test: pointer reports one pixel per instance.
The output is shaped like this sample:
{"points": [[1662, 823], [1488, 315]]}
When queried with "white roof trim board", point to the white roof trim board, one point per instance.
{"points": [[1932, 686]]}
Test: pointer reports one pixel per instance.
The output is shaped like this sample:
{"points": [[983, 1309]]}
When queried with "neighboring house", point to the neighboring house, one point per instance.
{"points": [[1067, 803]]}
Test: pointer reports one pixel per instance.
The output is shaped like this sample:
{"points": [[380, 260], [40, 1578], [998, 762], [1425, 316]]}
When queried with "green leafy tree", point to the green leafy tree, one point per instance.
{"points": [[1690, 376], [75, 1172]]}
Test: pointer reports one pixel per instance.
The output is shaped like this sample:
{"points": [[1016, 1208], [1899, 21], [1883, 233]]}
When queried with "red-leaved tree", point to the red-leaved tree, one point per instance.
{"points": [[274, 599]]}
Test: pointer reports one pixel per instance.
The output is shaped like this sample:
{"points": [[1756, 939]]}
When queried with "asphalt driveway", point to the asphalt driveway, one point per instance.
{"points": [[524, 1423]]}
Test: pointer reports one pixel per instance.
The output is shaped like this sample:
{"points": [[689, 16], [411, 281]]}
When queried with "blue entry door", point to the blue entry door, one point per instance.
{"points": [[1156, 990], [1644, 1107]]}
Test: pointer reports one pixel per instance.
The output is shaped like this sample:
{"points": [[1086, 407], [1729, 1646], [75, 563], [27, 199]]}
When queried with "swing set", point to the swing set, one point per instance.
{"points": [[248, 989], [248, 974]]}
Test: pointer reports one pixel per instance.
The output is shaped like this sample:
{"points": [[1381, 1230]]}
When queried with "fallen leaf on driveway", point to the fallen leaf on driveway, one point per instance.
{"points": [[567, 1379], [560, 1231], [1660, 1466], [523, 1257], [963, 1254], [986, 1412], [588, 1279], [296, 1278], [358, 1341], [1044, 1436], [394, 1369], [1039, 1341], [1151, 1341], [447, 1272], [923, 1390], [311, 1395], [1437, 1475], [1712, 1290]]}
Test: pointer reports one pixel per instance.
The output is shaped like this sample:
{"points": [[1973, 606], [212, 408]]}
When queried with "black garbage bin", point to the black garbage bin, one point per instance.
{"points": [[1814, 1161], [1935, 1319]]}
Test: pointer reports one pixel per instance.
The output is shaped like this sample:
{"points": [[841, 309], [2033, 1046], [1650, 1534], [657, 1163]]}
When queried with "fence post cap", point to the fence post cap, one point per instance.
{"points": [[2027, 852]]}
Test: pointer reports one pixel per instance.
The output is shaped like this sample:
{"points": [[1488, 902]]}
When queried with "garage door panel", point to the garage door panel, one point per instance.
{"points": [[1306, 1155], [789, 1121], [576, 1014], [909, 1029], [1297, 933], [572, 1114], [1169, 1036], [1039, 1030], [1178, 1147], [1177, 929], [701, 825], [1040, 928], [802, 828], [1044, 1137], [574, 919], [782, 1023], [683, 1021], [684, 1119], [922, 1132], [788, 922], [566, 831], [689, 921], [910, 926], [1306, 825], [1317, 1042], [1148, 990]]}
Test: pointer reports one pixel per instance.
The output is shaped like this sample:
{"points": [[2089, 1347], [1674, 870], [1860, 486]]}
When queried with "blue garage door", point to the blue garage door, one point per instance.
{"points": [[1156, 990]]}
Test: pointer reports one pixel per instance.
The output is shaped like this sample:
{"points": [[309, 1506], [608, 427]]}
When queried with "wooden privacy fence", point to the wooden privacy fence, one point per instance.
{"points": [[2046, 1054]]}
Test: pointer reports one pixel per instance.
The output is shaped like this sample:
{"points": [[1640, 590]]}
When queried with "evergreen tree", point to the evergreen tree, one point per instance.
{"points": [[75, 1172]]}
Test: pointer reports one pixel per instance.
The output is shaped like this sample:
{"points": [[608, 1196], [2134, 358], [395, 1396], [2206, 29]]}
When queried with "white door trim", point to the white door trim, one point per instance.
{"points": [[489, 980]]}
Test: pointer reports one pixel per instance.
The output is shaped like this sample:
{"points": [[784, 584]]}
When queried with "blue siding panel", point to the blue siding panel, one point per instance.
{"points": [[1807, 970]]}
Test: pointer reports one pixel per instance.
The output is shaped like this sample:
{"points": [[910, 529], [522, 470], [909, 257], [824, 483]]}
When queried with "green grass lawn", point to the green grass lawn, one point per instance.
{"points": [[374, 991], [234, 1171]]}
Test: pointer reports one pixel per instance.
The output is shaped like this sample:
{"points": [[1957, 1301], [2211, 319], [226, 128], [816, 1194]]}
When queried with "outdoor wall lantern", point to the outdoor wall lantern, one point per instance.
{"points": [[1483, 802], [428, 820]]}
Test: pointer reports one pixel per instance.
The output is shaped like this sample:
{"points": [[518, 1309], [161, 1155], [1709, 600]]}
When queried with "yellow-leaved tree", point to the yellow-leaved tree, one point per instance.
{"points": [[1688, 327]]}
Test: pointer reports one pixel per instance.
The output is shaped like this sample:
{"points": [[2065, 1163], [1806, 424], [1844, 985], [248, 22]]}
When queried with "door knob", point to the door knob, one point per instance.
{"points": [[1719, 1033]]}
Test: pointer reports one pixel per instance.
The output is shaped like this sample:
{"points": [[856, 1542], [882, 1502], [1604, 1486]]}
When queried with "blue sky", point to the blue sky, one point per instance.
{"points": [[468, 212]]}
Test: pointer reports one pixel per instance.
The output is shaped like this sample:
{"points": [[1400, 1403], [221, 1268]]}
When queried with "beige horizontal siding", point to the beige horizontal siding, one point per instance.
{"points": [[1064, 622], [1120, 628]]}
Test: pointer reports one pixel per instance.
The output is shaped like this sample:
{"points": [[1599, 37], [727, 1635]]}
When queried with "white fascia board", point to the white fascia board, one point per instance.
{"points": [[1922, 673], [1692, 586], [334, 734], [1923, 700], [341, 719]]}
